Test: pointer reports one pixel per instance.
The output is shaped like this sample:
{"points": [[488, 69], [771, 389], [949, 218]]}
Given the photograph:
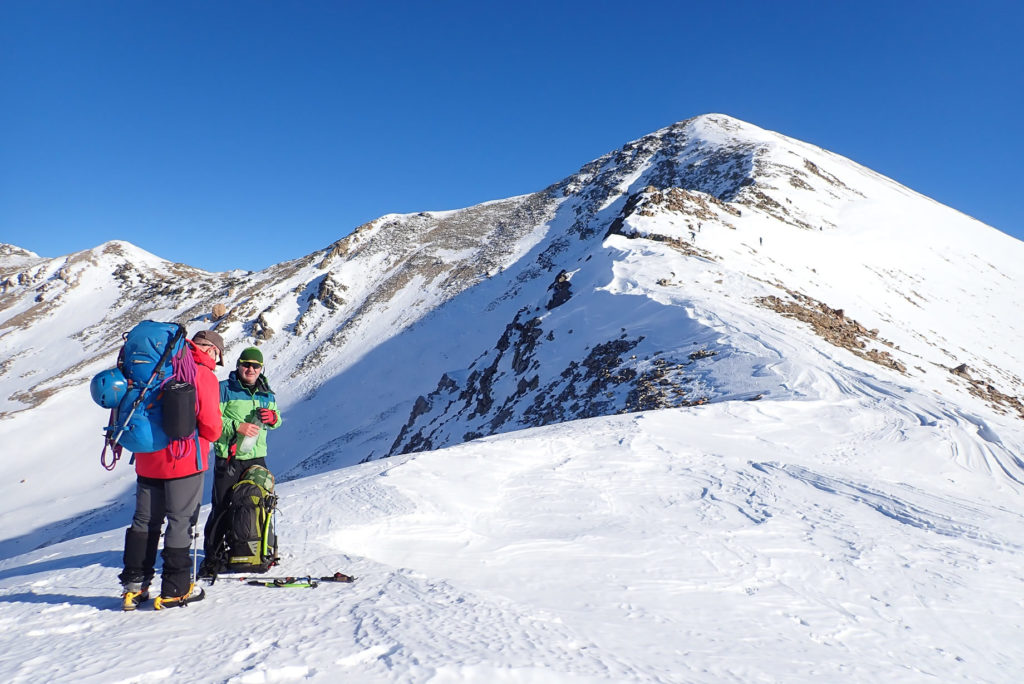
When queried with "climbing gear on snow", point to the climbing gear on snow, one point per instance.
{"points": [[336, 577], [293, 582], [134, 595], [245, 523], [298, 581], [194, 593]]}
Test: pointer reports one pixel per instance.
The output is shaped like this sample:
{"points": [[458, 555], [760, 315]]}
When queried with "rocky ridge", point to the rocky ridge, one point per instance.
{"points": [[453, 325]]}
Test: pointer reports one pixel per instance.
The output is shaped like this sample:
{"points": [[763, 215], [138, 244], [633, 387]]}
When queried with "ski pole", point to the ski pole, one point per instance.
{"points": [[336, 577], [195, 542]]}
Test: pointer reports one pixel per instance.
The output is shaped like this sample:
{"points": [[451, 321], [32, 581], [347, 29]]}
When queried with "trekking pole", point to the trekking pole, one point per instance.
{"points": [[195, 543], [273, 527]]}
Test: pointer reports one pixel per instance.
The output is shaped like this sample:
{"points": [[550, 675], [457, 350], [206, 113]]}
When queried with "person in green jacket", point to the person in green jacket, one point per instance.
{"points": [[249, 411]]}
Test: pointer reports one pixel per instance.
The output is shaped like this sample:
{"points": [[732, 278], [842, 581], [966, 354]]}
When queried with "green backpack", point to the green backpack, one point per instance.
{"points": [[250, 536]]}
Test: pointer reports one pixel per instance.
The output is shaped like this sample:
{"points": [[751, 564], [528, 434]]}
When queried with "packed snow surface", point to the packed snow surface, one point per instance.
{"points": [[795, 541]]}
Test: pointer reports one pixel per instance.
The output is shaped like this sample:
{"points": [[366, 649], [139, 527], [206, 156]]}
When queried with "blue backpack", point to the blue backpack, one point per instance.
{"points": [[150, 403]]}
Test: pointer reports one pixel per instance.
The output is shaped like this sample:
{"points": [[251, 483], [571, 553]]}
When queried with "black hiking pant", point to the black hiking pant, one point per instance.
{"points": [[226, 474]]}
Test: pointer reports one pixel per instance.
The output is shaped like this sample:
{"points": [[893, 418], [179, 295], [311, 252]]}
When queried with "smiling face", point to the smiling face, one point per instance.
{"points": [[248, 372]]}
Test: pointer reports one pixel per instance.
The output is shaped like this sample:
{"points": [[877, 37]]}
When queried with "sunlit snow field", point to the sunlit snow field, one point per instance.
{"points": [[795, 541]]}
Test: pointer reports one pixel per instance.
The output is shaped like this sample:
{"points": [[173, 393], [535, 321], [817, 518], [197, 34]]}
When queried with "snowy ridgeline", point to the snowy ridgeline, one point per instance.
{"points": [[746, 541], [709, 261]]}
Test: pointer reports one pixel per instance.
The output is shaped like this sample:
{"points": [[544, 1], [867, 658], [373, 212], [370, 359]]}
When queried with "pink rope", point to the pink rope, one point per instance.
{"points": [[185, 368]]}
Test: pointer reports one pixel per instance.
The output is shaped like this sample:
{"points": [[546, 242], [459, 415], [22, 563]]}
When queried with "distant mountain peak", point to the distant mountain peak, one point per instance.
{"points": [[7, 250]]}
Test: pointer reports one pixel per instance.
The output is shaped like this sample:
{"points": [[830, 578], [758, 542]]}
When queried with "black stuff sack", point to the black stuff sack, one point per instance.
{"points": [[179, 408]]}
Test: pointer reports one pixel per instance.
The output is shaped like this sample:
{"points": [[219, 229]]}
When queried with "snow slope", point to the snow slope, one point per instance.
{"points": [[794, 541]]}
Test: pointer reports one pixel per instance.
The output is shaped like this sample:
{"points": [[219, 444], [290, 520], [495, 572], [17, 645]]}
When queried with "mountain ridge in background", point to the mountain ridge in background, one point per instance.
{"points": [[672, 272]]}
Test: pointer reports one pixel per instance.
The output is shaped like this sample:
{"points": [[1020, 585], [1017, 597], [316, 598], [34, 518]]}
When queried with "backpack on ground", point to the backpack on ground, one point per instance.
{"points": [[151, 393], [250, 539]]}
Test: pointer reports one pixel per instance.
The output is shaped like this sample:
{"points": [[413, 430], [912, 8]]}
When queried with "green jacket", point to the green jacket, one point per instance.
{"points": [[239, 404]]}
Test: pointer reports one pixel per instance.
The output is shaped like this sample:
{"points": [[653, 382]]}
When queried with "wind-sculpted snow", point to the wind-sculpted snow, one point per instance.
{"points": [[740, 541], [909, 506]]}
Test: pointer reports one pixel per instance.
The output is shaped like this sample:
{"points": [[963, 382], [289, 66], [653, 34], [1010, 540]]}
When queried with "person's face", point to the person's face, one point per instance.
{"points": [[248, 371], [210, 349]]}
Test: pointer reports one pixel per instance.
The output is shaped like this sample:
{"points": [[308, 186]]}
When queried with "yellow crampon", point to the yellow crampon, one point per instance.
{"points": [[161, 602], [130, 600]]}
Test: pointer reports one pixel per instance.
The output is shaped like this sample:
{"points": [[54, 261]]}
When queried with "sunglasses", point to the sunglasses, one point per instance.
{"points": [[250, 364]]}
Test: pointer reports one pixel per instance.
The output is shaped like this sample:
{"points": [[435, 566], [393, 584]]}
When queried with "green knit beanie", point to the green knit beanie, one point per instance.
{"points": [[251, 354]]}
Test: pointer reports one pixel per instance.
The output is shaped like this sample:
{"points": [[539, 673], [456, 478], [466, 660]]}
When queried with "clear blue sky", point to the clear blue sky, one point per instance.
{"points": [[239, 134]]}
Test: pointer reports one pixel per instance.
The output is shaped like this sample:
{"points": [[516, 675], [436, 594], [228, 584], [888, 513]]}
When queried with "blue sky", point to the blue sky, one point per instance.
{"points": [[240, 134]]}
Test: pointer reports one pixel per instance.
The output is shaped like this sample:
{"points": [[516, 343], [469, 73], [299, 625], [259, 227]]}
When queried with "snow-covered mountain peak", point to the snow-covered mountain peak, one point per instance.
{"points": [[13, 251], [125, 251], [707, 262], [723, 130]]}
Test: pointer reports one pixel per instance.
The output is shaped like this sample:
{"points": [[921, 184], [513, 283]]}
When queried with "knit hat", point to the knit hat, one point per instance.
{"points": [[213, 338], [251, 354]]}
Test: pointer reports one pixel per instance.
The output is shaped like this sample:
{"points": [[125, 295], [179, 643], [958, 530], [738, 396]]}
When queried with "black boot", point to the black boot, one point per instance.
{"points": [[149, 561], [138, 560], [176, 576]]}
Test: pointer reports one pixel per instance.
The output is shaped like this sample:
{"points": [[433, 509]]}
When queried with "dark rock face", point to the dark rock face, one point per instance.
{"points": [[523, 381], [561, 291], [516, 385], [674, 158]]}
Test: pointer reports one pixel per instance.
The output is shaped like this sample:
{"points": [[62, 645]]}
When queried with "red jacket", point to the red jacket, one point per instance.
{"points": [[162, 465]]}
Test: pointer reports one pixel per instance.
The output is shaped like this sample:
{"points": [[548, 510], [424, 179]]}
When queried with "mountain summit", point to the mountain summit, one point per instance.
{"points": [[710, 261]]}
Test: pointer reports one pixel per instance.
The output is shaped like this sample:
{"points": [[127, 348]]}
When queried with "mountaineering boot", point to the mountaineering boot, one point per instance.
{"points": [[209, 569], [139, 558], [139, 555], [134, 595], [177, 587], [176, 576], [193, 593]]}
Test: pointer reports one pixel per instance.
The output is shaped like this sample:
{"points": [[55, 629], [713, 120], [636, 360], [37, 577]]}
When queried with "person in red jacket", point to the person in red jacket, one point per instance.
{"points": [[170, 485]]}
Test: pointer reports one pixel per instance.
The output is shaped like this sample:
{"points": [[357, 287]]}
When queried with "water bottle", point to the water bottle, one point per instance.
{"points": [[249, 443]]}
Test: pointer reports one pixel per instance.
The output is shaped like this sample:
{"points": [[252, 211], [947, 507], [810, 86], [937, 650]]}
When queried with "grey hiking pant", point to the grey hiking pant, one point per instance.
{"points": [[177, 500]]}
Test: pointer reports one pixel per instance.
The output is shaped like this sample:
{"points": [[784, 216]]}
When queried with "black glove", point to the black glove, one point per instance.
{"points": [[267, 416]]}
